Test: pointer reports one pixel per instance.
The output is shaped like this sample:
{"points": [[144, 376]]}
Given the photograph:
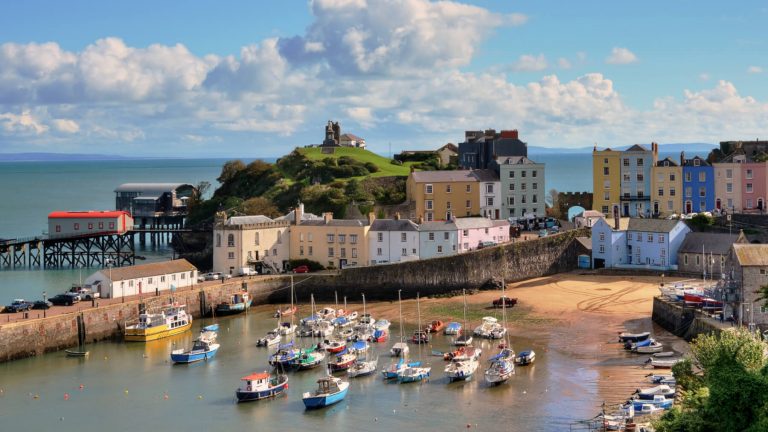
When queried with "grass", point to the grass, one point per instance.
{"points": [[476, 312], [386, 169]]}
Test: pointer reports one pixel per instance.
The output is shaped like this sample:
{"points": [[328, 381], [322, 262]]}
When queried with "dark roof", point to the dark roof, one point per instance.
{"points": [[666, 159], [689, 162], [336, 222], [147, 270], [586, 242], [393, 225], [485, 175], [637, 147], [513, 160], [652, 225], [716, 243]]}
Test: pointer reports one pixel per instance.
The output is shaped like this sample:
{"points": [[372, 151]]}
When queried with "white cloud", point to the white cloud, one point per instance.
{"points": [[530, 63], [564, 63], [67, 126], [362, 115], [621, 56], [24, 123], [754, 70]]}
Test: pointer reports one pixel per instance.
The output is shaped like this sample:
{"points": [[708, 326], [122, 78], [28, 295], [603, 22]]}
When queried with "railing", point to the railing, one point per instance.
{"points": [[43, 237]]}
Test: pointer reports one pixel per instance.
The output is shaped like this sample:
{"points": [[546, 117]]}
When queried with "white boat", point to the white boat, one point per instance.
{"points": [[525, 357], [352, 315], [400, 349], [272, 338], [485, 329], [502, 365], [287, 328], [664, 354], [663, 363], [327, 313], [322, 328], [347, 334], [363, 368], [414, 373], [463, 340], [648, 408], [382, 324], [498, 333], [654, 347], [661, 389], [367, 318], [461, 368]]}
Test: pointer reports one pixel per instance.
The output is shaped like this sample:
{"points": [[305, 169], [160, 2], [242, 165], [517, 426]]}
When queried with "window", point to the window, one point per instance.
{"points": [[309, 238], [702, 176], [522, 200], [486, 230], [403, 237], [749, 190], [640, 194], [429, 216], [469, 204], [660, 177], [749, 173], [90, 225], [688, 192], [101, 225], [439, 249], [602, 248], [607, 184], [448, 188], [77, 226], [605, 160], [606, 196], [111, 225], [749, 203], [231, 255], [702, 191], [604, 209], [309, 250], [469, 188], [330, 252], [428, 189], [685, 259], [671, 177], [522, 173], [640, 162], [522, 186], [446, 235], [729, 173], [535, 186], [162, 278], [534, 198], [343, 252], [301, 250], [661, 191], [431, 236], [511, 200], [671, 191], [149, 280], [661, 238], [466, 246], [428, 204], [58, 228], [266, 252], [512, 174], [354, 252], [489, 201], [512, 186], [730, 202], [629, 236], [380, 237], [404, 252], [688, 176], [696, 162], [702, 205], [301, 237], [606, 171], [230, 240], [256, 240], [329, 238], [625, 177], [640, 177], [533, 173], [353, 238], [511, 212], [448, 205], [602, 236], [626, 162], [729, 187], [489, 188], [698, 260], [650, 238], [342, 238]]}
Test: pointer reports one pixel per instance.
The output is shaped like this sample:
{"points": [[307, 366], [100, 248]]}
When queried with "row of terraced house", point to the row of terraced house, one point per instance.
{"points": [[635, 183]]}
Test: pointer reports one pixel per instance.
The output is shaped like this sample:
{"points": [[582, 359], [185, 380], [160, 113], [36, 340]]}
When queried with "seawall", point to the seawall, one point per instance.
{"points": [[686, 323], [449, 275]]}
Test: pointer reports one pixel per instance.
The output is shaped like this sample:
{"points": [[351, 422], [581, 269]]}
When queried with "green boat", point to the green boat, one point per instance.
{"points": [[308, 358]]}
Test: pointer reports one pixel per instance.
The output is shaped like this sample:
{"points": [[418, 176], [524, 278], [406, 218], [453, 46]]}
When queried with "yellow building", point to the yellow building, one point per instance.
{"points": [[441, 195], [666, 188], [606, 180], [335, 243]]}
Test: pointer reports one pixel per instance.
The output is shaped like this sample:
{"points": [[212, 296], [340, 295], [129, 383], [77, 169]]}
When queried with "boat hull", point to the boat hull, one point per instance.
{"points": [[192, 357], [316, 402], [249, 396], [232, 309], [154, 333]]}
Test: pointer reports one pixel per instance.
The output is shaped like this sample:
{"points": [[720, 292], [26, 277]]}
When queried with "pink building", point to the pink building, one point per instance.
{"points": [[478, 232], [753, 177]]}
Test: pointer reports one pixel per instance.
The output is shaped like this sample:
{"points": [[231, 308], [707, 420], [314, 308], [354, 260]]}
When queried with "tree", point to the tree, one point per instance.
{"points": [[259, 206], [230, 170], [762, 295], [740, 346]]}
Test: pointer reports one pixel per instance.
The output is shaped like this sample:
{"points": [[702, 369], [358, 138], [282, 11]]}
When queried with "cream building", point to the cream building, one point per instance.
{"points": [[666, 188], [728, 183], [255, 242]]}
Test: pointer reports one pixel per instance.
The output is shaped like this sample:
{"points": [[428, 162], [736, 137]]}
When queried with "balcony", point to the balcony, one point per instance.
{"points": [[635, 198]]}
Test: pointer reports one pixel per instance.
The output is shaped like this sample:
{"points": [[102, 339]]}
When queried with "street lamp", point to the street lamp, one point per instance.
{"points": [[110, 262]]}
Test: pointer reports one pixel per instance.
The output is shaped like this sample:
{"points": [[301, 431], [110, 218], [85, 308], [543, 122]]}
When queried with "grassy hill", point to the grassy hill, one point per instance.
{"points": [[386, 168]]}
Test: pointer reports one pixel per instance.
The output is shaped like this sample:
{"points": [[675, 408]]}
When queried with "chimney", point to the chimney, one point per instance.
{"points": [[298, 214], [371, 218], [327, 217], [682, 158], [412, 168], [421, 220], [397, 216], [513, 134]]}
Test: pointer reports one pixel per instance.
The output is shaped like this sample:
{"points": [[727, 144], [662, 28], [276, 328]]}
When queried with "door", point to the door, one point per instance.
{"points": [[718, 204], [626, 210], [599, 263], [497, 214], [342, 263], [688, 207], [656, 208]]}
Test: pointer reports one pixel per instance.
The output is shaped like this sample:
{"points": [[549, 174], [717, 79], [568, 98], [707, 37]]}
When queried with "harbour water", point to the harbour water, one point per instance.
{"points": [[132, 386]]}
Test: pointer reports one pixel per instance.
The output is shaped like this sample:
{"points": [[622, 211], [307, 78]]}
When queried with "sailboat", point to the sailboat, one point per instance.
{"points": [[363, 331], [502, 365], [288, 328], [464, 337], [286, 354], [400, 349], [414, 373], [462, 367]]}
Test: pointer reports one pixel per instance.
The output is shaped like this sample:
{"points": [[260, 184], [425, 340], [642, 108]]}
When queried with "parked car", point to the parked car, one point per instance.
{"points": [[42, 304], [74, 296], [504, 301], [211, 276], [84, 293], [247, 271], [301, 269], [224, 275], [62, 300], [18, 305], [486, 244]]}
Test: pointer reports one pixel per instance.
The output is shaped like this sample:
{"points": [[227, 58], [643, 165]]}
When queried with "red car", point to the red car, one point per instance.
{"points": [[504, 301], [301, 269]]}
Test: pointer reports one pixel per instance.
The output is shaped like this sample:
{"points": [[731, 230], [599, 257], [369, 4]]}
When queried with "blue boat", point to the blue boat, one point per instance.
{"points": [[413, 374], [210, 328], [525, 357], [284, 356], [204, 348], [261, 386], [330, 390], [658, 401], [453, 328], [238, 303], [394, 369]]}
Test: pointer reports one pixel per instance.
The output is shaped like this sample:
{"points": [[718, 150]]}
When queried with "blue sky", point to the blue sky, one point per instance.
{"points": [[247, 79]]}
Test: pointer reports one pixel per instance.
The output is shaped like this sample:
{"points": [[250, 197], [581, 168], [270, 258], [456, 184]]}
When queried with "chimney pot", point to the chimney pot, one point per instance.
{"points": [[397, 216], [327, 217]]}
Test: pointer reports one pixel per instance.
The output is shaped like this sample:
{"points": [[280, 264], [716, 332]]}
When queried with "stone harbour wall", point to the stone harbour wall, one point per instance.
{"points": [[686, 323]]}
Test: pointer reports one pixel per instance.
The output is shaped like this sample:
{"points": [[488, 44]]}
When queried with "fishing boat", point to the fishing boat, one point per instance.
{"points": [[415, 373], [74, 353], [653, 347], [308, 359], [633, 337], [285, 312], [259, 386], [420, 337], [453, 328], [334, 346], [661, 389], [272, 338], [502, 365], [379, 335], [487, 328], [171, 320], [342, 362], [525, 357], [330, 390], [363, 368], [203, 348], [284, 355], [461, 369], [434, 327], [287, 328], [237, 303], [663, 363], [657, 401]]}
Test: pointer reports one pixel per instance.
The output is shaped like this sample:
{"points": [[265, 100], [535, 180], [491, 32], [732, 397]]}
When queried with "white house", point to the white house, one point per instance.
{"points": [[393, 241], [490, 193], [477, 232], [143, 278], [647, 243], [438, 239]]}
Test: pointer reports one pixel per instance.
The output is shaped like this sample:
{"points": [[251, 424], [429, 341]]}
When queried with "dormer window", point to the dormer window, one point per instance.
{"points": [[696, 162]]}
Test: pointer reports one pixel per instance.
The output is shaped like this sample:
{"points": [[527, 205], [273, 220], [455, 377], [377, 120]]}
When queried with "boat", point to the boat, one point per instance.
{"points": [[449, 355], [661, 389], [633, 337], [420, 337], [330, 390], [237, 303], [363, 368], [525, 357], [308, 359], [366, 318], [379, 336], [334, 346], [658, 401], [453, 328], [464, 339], [210, 328], [172, 319], [342, 362], [203, 348], [410, 373], [502, 365], [435, 326], [322, 328], [461, 368], [272, 338], [327, 313], [487, 328], [392, 371], [261, 386], [352, 315], [73, 353], [359, 348], [663, 363], [631, 346], [647, 409], [653, 347], [497, 333], [400, 349], [664, 354], [667, 379], [382, 324], [284, 355], [285, 312], [287, 328], [341, 322], [347, 334]]}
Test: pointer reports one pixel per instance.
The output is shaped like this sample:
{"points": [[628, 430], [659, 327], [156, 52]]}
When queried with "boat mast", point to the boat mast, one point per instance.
{"points": [[504, 303], [464, 294], [418, 320], [400, 302]]}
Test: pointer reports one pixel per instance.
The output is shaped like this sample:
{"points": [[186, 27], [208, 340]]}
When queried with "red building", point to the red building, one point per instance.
{"points": [[65, 224]]}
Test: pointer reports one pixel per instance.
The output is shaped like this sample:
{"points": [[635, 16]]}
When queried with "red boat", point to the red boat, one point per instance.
{"points": [[334, 346], [451, 354], [420, 337], [285, 312], [343, 362], [435, 326]]}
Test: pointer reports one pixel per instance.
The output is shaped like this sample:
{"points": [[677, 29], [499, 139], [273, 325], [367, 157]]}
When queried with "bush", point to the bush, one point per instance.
{"points": [[702, 221], [396, 162], [312, 265]]}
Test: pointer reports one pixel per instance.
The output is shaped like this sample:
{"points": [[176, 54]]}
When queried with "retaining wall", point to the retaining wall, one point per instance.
{"points": [[684, 322]]}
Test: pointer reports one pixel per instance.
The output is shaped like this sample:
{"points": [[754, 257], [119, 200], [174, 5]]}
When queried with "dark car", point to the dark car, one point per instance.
{"points": [[62, 300], [301, 269], [42, 304], [18, 305], [504, 301]]}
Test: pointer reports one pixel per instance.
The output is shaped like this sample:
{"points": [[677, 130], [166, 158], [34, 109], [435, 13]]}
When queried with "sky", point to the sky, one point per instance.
{"points": [[257, 78]]}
